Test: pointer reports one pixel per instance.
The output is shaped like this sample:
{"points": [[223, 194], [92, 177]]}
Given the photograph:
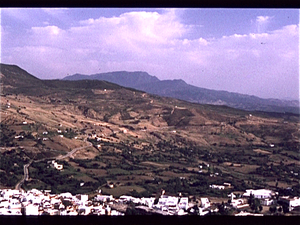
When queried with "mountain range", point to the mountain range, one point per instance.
{"points": [[103, 133], [181, 90]]}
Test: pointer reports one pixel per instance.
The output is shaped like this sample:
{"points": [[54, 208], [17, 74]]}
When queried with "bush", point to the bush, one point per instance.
{"points": [[272, 209]]}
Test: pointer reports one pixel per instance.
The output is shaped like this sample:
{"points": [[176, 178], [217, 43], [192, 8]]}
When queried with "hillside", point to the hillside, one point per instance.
{"points": [[141, 143], [181, 90]]}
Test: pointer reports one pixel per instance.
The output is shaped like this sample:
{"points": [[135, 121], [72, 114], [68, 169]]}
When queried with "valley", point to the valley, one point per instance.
{"points": [[140, 143]]}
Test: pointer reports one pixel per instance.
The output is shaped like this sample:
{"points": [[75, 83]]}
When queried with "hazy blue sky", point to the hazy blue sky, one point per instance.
{"points": [[250, 51]]}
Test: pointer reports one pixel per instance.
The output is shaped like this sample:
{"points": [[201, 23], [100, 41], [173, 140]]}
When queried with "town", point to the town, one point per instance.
{"points": [[95, 148], [37, 203]]}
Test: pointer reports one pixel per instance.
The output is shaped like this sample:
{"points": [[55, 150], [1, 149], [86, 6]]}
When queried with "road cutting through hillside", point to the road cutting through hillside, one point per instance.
{"points": [[26, 166], [26, 176], [69, 154]]}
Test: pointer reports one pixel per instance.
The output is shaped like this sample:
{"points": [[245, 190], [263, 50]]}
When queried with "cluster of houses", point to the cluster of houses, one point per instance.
{"points": [[266, 197], [35, 202]]}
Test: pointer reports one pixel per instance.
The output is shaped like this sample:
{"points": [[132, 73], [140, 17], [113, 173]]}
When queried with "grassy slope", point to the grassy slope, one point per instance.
{"points": [[162, 131]]}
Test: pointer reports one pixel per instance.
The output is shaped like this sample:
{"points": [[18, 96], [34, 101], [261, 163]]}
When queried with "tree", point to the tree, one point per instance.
{"points": [[132, 211], [285, 208], [254, 203], [272, 209], [222, 209], [195, 210]]}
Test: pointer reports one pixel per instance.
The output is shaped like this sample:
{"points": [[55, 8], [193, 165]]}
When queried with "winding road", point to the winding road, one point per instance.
{"points": [[69, 154], [26, 176], [26, 173]]}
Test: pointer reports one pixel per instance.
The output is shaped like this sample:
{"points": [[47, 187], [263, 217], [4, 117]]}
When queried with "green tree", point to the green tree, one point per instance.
{"points": [[254, 203], [272, 209]]}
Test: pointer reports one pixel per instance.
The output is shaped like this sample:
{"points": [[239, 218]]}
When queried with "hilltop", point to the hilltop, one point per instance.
{"points": [[141, 143], [181, 90]]}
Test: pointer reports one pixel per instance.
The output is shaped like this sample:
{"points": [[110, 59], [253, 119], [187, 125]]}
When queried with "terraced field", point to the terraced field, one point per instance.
{"points": [[141, 143]]}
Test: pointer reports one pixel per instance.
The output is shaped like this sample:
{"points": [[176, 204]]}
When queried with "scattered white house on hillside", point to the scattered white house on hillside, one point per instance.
{"points": [[261, 193], [214, 186], [19, 136], [56, 165]]}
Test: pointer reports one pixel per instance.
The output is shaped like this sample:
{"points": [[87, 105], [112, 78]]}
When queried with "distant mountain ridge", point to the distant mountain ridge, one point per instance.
{"points": [[123, 78], [181, 90]]}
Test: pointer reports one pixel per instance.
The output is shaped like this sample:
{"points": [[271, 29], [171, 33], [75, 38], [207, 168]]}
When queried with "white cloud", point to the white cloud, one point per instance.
{"points": [[48, 30], [265, 63], [262, 19], [156, 43], [262, 23]]}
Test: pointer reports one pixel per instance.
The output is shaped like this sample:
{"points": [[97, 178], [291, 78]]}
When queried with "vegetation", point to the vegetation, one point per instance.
{"points": [[143, 143], [11, 167], [61, 181]]}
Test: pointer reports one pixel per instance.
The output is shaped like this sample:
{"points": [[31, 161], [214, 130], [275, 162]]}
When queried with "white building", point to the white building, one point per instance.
{"points": [[82, 198], [32, 210], [267, 201], [205, 203], [148, 201], [203, 212], [235, 203], [183, 203], [126, 198], [261, 193], [171, 204], [214, 186], [56, 165], [104, 198], [294, 202], [291, 202]]}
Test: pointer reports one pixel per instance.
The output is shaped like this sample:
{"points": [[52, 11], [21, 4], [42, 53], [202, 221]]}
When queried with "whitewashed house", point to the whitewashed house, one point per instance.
{"points": [[104, 198], [148, 201], [260, 194], [56, 165], [32, 210], [214, 186], [235, 203], [291, 202], [267, 201], [205, 203], [183, 203]]}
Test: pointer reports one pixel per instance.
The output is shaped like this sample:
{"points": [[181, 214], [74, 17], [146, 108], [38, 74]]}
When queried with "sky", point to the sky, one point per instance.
{"points": [[248, 51]]}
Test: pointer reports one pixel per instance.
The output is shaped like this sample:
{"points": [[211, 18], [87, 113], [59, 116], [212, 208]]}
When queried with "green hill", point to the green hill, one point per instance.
{"points": [[141, 143]]}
